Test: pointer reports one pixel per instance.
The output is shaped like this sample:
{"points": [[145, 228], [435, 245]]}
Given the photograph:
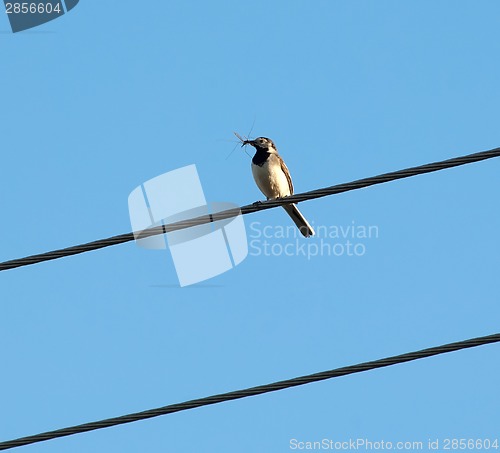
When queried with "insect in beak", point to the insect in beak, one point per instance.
{"points": [[243, 141]]}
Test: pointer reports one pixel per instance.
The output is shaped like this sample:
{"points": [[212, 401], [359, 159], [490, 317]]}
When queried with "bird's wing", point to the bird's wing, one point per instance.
{"points": [[285, 170]]}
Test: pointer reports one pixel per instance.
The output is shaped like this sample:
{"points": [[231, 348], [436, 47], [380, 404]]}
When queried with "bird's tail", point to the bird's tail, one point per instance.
{"points": [[299, 220]]}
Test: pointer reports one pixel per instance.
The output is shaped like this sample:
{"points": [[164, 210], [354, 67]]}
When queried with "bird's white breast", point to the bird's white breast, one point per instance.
{"points": [[270, 178]]}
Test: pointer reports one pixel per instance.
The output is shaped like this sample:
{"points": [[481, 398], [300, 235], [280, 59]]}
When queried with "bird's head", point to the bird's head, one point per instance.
{"points": [[262, 143]]}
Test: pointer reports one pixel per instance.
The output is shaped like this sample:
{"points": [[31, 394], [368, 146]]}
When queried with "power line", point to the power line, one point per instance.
{"points": [[332, 190], [253, 391]]}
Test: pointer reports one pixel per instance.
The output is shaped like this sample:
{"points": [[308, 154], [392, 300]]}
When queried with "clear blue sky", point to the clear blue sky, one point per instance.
{"points": [[115, 93]]}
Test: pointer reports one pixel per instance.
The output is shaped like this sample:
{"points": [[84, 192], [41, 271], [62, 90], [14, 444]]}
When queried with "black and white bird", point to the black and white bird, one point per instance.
{"points": [[273, 179]]}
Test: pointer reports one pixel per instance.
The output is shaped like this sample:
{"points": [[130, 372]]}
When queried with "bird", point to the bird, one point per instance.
{"points": [[273, 179]]}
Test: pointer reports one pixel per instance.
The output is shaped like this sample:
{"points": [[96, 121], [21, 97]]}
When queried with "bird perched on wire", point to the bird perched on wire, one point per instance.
{"points": [[273, 178]]}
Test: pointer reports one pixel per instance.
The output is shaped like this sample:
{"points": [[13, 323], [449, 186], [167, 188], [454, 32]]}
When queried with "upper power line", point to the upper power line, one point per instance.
{"points": [[253, 391], [297, 198]]}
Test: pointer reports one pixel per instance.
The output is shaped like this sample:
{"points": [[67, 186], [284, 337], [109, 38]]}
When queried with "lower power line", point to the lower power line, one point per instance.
{"points": [[253, 391]]}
